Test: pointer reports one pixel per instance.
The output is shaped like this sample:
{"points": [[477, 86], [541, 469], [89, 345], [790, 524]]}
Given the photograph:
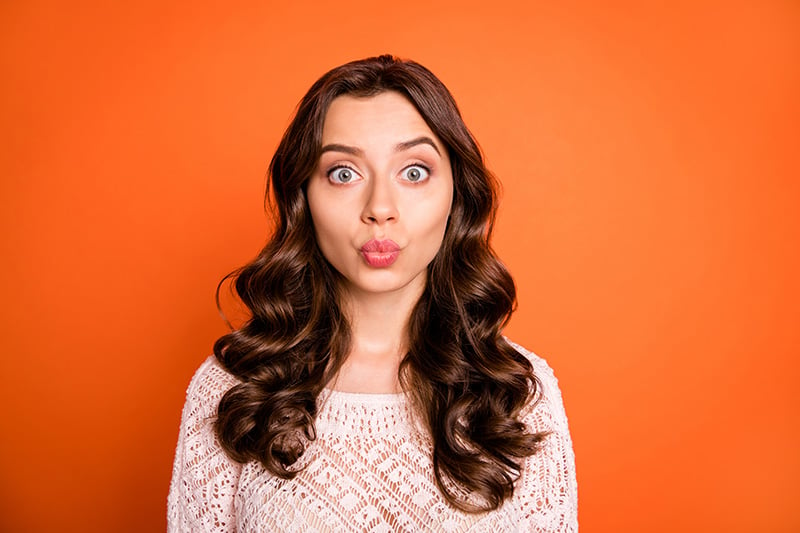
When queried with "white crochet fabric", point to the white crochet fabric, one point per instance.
{"points": [[369, 469]]}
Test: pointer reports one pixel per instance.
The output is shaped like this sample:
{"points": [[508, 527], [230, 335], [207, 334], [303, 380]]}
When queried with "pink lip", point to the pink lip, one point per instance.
{"points": [[380, 254]]}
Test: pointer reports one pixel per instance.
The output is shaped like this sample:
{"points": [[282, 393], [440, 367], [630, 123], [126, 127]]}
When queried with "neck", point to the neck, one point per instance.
{"points": [[379, 339]]}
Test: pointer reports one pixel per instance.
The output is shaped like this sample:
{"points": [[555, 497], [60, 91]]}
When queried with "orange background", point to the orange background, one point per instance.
{"points": [[650, 171]]}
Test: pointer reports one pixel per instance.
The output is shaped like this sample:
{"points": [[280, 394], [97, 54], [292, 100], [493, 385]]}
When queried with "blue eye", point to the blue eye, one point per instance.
{"points": [[416, 173], [341, 175]]}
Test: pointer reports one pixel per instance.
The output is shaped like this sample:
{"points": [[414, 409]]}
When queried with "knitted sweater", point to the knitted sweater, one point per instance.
{"points": [[369, 469]]}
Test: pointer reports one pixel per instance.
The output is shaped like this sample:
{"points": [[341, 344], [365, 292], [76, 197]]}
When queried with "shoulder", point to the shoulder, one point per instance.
{"points": [[204, 478], [546, 409], [547, 491], [211, 376], [541, 369], [209, 383]]}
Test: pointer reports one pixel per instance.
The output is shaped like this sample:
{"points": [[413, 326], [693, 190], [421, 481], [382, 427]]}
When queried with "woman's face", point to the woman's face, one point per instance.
{"points": [[381, 193]]}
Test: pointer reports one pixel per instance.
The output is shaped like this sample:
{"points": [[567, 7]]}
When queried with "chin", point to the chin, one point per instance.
{"points": [[385, 282]]}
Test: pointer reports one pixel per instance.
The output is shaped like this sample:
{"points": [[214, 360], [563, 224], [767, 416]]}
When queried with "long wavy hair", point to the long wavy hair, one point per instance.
{"points": [[464, 380]]}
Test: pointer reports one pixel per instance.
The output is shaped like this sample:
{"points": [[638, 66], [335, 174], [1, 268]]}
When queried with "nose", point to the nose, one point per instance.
{"points": [[380, 205]]}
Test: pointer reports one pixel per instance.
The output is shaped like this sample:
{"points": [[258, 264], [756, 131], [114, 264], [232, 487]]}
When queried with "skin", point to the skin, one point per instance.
{"points": [[383, 174]]}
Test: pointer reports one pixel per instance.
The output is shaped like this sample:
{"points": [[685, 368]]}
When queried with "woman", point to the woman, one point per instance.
{"points": [[371, 388]]}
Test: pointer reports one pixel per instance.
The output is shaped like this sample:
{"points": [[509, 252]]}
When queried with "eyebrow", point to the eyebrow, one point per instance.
{"points": [[352, 150], [415, 142], [400, 147]]}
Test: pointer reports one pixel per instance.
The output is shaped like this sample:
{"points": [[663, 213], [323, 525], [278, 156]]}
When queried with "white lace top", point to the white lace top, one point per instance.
{"points": [[369, 469]]}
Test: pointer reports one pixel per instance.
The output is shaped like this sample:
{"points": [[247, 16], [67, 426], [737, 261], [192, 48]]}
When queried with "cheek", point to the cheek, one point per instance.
{"points": [[432, 220], [330, 225], [319, 206]]}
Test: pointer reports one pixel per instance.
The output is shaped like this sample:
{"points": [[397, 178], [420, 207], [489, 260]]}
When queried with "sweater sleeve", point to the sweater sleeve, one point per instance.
{"points": [[547, 489], [204, 478]]}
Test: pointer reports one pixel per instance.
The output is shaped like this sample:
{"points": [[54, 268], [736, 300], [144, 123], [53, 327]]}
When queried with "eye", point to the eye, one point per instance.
{"points": [[416, 173], [341, 174]]}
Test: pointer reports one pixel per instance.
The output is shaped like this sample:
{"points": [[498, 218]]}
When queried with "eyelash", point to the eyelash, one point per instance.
{"points": [[423, 166], [333, 169]]}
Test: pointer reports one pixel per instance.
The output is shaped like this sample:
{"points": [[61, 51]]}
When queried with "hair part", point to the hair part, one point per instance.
{"points": [[463, 378]]}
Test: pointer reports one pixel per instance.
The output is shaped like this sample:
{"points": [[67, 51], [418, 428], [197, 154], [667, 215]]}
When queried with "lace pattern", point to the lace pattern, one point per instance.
{"points": [[368, 470]]}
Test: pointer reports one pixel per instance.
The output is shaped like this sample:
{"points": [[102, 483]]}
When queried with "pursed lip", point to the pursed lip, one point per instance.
{"points": [[384, 246], [380, 253]]}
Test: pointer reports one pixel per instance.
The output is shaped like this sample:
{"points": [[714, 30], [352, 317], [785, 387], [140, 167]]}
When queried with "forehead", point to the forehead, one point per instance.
{"points": [[387, 115]]}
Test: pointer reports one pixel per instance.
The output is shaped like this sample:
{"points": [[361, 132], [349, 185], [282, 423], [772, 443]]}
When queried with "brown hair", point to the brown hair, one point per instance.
{"points": [[466, 382]]}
